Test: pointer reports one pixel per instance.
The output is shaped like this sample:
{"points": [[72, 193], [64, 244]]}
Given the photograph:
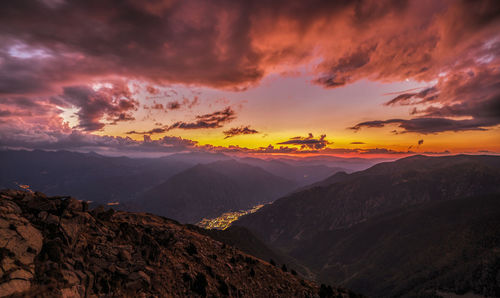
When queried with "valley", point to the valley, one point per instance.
{"points": [[223, 221]]}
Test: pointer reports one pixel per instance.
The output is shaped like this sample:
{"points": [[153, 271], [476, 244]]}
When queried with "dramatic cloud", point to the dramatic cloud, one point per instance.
{"points": [[414, 98], [463, 101], [420, 40], [49, 136], [357, 143], [112, 103], [7, 113], [212, 120], [29, 107], [233, 44], [425, 125], [148, 132], [308, 142], [299, 151], [169, 41], [79, 141], [170, 105], [52, 52], [243, 130]]}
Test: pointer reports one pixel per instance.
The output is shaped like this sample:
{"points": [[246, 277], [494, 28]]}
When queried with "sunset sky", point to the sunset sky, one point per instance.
{"points": [[347, 78]]}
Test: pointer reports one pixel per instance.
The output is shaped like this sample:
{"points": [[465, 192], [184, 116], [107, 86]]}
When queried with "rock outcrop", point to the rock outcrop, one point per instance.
{"points": [[55, 247]]}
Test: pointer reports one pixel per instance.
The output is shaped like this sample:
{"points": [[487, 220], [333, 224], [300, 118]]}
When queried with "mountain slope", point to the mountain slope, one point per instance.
{"points": [[453, 246], [384, 187], [53, 247], [212, 189], [398, 228], [245, 241]]}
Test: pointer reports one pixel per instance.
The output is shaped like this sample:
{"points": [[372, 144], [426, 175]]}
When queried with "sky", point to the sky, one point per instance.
{"points": [[346, 78]]}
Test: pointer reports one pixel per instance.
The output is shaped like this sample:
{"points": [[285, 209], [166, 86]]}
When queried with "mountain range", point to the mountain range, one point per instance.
{"points": [[419, 226], [87, 176], [103, 179], [386, 230]]}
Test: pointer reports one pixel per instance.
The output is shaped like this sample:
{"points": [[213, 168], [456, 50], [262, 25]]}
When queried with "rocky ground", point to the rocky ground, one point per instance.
{"points": [[54, 246]]}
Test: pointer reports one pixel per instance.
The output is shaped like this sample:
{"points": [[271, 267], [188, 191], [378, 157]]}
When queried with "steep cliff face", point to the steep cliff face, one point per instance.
{"points": [[54, 246]]}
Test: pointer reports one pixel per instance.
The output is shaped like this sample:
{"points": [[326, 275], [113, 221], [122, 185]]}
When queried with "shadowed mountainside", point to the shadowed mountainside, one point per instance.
{"points": [[247, 242], [384, 187], [453, 246], [206, 191], [397, 228]]}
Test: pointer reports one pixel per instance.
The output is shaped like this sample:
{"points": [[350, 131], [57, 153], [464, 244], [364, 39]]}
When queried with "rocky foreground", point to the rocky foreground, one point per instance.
{"points": [[54, 246]]}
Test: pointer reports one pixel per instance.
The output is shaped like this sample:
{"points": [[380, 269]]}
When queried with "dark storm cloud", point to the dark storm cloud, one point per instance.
{"points": [[114, 104], [235, 131], [426, 95], [212, 120], [426, 125], [234, 44], [7, 113], [49, 47], [174, 41], [173, 105], [308, 142], [88, 142], [22, 106], [148, 132], [473, 96]]}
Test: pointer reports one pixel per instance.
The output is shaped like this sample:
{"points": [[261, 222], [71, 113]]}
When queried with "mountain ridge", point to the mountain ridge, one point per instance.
{"points": [[350, 227], [54, 246], [379, 189]]}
